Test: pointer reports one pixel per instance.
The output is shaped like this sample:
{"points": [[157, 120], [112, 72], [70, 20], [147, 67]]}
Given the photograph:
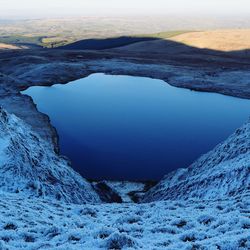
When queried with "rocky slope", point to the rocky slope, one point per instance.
{"points": [[29, 165], [223, 172]]}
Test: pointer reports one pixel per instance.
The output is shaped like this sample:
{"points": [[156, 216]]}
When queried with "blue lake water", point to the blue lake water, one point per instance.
{"points": [[136, 128]]}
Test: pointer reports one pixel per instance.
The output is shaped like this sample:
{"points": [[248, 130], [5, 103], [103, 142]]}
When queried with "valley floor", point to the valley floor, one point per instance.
{"points": [[42, 224]]}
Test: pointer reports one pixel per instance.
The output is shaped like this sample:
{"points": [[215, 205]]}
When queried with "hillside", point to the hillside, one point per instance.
{"points": [[105, 43], [28, 166], [223, 172], [214, 41], [221, 40], [9, 46]]}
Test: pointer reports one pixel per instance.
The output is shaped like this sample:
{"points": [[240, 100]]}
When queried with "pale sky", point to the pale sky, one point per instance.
{"points": [[55, 8]]}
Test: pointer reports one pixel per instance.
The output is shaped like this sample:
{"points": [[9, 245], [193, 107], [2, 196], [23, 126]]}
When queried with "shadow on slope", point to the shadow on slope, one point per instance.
{"points": [[153, 46], [107, 43]]}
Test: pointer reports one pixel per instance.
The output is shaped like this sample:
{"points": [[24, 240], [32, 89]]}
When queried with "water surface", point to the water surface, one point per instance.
{"points": [[124, 127]]}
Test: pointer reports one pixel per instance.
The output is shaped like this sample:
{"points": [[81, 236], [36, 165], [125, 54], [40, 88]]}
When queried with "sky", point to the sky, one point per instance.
{"points": [[56, 8]]}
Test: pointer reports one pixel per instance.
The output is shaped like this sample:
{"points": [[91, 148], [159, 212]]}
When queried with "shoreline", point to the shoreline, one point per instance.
{"points": [[42, 68]]}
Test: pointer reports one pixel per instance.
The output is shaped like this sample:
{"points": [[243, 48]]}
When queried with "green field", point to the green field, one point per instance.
{"points": [[19, 39], [63, 39], [60, 32]]}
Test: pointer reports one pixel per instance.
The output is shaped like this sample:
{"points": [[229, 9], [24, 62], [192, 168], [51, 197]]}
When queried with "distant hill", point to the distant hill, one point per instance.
{"points": [[222, 39], [234, 41], [8, 46], [106, 43]]}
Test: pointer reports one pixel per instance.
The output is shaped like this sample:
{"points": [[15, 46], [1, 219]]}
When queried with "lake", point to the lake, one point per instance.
{"points": [[135, 128]]}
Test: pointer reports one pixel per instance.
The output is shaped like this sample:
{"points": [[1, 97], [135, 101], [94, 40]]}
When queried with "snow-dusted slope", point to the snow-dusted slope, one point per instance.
{"points": [[224, 171], [34, 224], [28, 165]]}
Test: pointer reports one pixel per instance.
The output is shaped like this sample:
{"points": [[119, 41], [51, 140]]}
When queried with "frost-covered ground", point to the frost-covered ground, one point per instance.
{"points": [[29, 166], [44, 204], [30, 223]]}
